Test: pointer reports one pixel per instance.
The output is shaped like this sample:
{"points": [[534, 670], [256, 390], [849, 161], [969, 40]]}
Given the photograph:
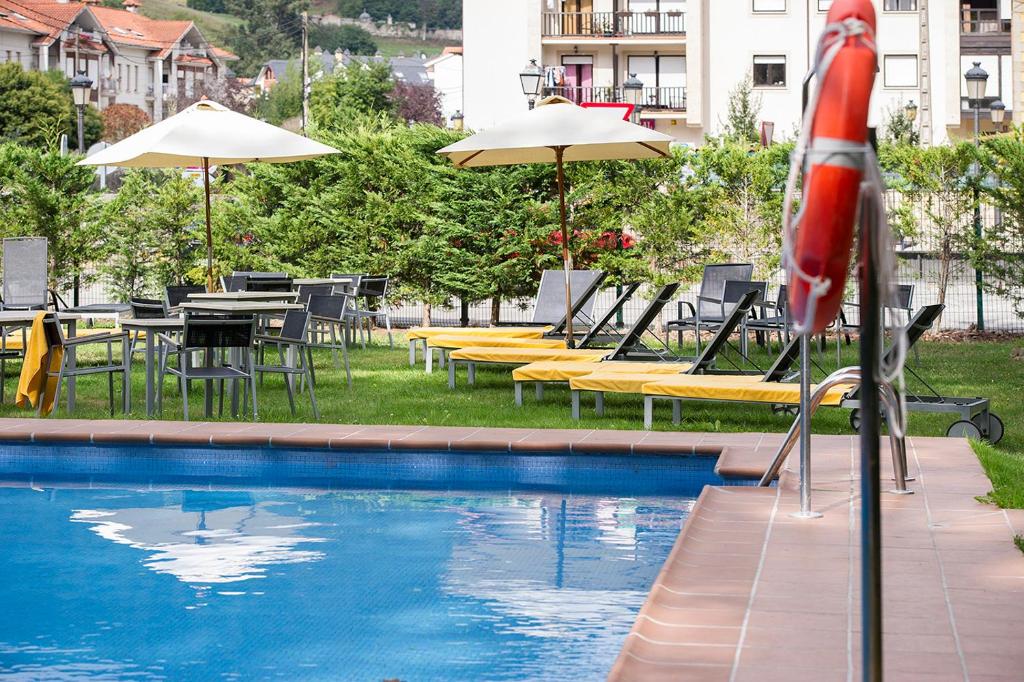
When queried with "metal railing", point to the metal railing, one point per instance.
{"points": [[653, 98], [983, 21], [612, 24]]}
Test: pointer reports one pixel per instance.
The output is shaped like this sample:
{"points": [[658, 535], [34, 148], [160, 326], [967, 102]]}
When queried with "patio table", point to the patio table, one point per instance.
{"points": [[246, 296], [152, 327], [313, 281], [20, 319]]}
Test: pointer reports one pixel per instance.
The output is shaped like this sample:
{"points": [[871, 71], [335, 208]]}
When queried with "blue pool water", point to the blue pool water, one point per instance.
{"points": [[150, 563]]}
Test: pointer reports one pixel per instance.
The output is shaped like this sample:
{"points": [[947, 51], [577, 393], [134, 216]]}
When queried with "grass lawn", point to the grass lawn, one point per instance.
{"points": [[394, 47], [387, 391], [212, 24]]}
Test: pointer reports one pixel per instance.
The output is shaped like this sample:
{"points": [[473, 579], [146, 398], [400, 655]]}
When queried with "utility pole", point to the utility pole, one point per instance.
{"points": [[305, 70]]}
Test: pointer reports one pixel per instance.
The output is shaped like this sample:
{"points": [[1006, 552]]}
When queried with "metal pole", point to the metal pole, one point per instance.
{"points": [[570, 342], [209, 226], [81, 128], [805, 431], [978, 278], [531, 102], [305, 71], [871, 520]]}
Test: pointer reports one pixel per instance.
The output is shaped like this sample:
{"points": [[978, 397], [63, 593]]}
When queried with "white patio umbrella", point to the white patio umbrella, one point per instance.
{"points": [[557, 131], [203, 135]]}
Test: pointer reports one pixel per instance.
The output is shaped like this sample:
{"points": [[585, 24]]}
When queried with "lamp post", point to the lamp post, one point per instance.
{"points": [[910, 113], [457, 120], [976, 78], [998, 110], [633, 93], [531, 78], [80, 87]]}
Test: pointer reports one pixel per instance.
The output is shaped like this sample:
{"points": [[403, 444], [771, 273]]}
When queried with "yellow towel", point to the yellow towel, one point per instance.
{"points": [[739, 389], [524, 356], [34, 385], [566, 370]]}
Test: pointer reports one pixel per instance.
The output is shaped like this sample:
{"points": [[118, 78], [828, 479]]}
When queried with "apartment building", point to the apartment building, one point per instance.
{"points": [[690, 54], [130, 58]]}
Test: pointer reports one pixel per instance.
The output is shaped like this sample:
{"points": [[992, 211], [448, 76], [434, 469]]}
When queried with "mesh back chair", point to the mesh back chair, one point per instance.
{"points": [[234, 282], [145, 309], [891, 313], [307, 290], [25, 273], [293, 338], [328, 318], [374, 291], [774, 317], [55, 340], [268, 284], [210, 333], [550, 305], [709, 310], [178, 294], [347, 283]]}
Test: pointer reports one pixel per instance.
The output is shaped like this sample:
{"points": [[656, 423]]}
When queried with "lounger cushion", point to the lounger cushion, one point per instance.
{"points": [[715, 387], [507, 332], [564, 371], [524, 356], [460, 341], [608, 382]]}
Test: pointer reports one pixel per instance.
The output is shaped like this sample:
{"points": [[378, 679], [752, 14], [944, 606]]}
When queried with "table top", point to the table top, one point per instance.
{"points": [[247, 296], [266, 307], [314, 280], [28, 316], [153, 323]]}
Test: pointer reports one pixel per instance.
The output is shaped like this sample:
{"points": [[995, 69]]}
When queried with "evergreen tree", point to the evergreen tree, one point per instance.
{"points": [[744, 109]]}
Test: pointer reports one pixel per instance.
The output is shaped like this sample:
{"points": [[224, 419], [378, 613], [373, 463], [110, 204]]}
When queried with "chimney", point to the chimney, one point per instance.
{"points": [[132, 5]]}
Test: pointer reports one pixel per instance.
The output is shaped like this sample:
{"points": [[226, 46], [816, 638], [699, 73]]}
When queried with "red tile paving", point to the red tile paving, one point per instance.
{"points": [[749, 592]]}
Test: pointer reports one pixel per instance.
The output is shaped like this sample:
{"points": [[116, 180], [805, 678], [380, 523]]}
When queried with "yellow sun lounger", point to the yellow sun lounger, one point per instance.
{"points": [[420, 336], [445, 344], [516, 356], [728, 389], [539, 373]]}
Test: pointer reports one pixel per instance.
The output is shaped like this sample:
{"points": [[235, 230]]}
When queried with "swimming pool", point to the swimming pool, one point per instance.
{"points": [[159, 563]]}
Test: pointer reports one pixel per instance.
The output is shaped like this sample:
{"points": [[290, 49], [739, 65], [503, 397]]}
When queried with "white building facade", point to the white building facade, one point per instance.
{"points": [[690, 54]]}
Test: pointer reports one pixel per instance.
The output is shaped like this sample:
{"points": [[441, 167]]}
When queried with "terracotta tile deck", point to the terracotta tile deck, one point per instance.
{"points": [[748, 592]]}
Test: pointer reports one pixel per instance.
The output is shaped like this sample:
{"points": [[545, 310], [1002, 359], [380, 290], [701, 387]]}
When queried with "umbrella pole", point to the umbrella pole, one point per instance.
{"points": [[570, 341], [209, 228]]}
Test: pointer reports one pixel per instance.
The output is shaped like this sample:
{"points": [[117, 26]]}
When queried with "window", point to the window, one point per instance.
{"points": [[900, 5], [824, 5], [769, 5], [900, 70], [769, 71], [136, 78]]}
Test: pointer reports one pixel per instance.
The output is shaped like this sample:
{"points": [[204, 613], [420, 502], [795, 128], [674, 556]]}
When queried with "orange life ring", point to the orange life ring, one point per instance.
{"points": [[834, 163]]}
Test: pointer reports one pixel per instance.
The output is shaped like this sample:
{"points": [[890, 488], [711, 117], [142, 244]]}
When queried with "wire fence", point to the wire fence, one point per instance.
{"points": [[932, 259]]}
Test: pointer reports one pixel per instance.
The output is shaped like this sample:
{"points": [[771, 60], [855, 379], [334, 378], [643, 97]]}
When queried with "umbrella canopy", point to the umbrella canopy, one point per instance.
{"points": [[557, 131], [202, 135], [208, 130]]}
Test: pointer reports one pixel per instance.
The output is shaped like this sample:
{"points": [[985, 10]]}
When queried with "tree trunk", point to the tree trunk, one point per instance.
{"points": [[426, 314], [495, 310]]}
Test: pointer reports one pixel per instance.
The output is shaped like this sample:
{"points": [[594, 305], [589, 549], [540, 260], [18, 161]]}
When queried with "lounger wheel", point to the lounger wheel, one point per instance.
{"points": [[963, 429], [855, 419], [994, 427], [788, 410]]}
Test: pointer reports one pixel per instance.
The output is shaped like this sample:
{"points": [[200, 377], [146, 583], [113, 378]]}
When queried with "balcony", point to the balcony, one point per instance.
{"points": [[653, 98], [982, 30], [612, 24]]}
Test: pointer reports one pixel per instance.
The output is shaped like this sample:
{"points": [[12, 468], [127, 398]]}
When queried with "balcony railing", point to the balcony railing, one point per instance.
{"points": [[652, 98], [612, 24], [983, 21]]}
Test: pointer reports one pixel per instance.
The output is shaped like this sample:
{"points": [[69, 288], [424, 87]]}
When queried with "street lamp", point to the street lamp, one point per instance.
{"points": [[457, 120], [80, 88], [633, 92], [531, 78], [911, 111], [976, 78], [998, 114]]}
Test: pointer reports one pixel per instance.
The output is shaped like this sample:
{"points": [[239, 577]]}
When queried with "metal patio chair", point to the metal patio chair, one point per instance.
{"points": [[774, 318], [708, 311], [177, 294], [25, 267], [373, 291], [272, 284], [293, 341], [328, 319], [234, 282], [211, 335], [55, 340], [145, 309]]}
